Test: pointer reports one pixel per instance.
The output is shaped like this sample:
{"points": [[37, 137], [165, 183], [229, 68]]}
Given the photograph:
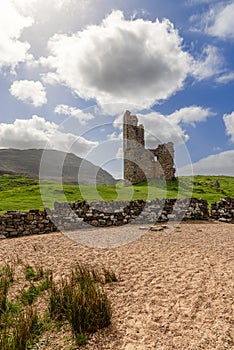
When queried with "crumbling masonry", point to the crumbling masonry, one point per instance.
{"points": [[140, 163]]}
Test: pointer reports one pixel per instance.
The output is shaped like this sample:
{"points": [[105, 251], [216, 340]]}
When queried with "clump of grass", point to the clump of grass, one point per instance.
{"points": [[81, 273], [27, 327], [33, 275], [31, 294], [81, 339], [6, 279], [81, 301], [109, 275], [8, 272], [78, 300], [17, 326], [4, 287]]}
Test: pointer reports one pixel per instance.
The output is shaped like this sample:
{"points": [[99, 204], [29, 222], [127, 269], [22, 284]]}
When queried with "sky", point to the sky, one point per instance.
{"points": [[70, 68]]}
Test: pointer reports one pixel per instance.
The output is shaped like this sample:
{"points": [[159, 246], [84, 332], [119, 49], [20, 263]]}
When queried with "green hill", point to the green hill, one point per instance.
{"points": [[51, 164], [22, 193]]}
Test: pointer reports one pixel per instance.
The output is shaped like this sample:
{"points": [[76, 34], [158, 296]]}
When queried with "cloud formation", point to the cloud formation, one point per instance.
{"points": [[229, 123], [211, 63], [58, 16], [161, 128], [225, 78], [217, 164], [219, 21], [74, 112], [29, 91], [12, 49], [191, 115], [121, 61], [39, 133]]}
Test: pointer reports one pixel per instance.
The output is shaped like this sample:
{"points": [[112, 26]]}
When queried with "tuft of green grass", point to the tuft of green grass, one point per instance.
{"points": [[7, 272], [32, 275], [81, 273], [30, 295], [6, 279], [27, 327], [81, 339], [81, 301], [18, 326]]}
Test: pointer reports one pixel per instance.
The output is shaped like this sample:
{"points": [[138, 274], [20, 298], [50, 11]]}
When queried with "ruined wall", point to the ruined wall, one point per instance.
{"points": [[77, 215], [140, 163], [164, 167], [133, 147], [223, 210]]}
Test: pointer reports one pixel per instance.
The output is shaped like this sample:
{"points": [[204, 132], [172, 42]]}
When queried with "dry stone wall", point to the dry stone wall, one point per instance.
{"points": [[223, 210], [16, 223], [73, 216]]}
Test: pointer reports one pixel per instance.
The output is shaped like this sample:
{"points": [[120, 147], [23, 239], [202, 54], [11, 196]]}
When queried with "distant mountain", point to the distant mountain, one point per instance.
{"points": [[53, 163]]}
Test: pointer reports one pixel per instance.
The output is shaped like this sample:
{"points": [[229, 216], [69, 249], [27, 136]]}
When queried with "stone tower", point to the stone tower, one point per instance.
{"points": [[140, 163]]}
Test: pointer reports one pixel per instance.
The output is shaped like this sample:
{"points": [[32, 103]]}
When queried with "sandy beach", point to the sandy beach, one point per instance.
{"points": [[175, 287]]}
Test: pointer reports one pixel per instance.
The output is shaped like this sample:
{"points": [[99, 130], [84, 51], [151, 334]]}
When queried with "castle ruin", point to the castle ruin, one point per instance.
{"points": [[141, 164]]}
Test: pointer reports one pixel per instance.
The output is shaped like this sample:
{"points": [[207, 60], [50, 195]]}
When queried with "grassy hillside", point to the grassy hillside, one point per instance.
{"points": [[21, 193], [47, 163]]}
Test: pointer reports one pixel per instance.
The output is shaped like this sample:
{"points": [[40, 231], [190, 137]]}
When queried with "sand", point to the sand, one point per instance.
{"points": [[175, 290]]}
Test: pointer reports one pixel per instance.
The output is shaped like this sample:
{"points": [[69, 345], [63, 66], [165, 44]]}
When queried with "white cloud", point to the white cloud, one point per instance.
{"points": [[29, 91], [161, 128], [218, 164], [210, 63], [12, 49], [58, 16], [39, 133], [48, 78], [229, 123], [191, 115], [30, 7], [219, 21], [121, 61], [74, 112], [225, 78], [115, 109], [115, 136]]}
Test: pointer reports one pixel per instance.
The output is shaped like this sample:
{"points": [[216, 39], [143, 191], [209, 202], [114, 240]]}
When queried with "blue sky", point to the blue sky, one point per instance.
{"points": [[69, 69]]}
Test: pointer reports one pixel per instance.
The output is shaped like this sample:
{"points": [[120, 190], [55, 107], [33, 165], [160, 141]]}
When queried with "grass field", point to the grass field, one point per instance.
{"points": [[21, 193]]}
